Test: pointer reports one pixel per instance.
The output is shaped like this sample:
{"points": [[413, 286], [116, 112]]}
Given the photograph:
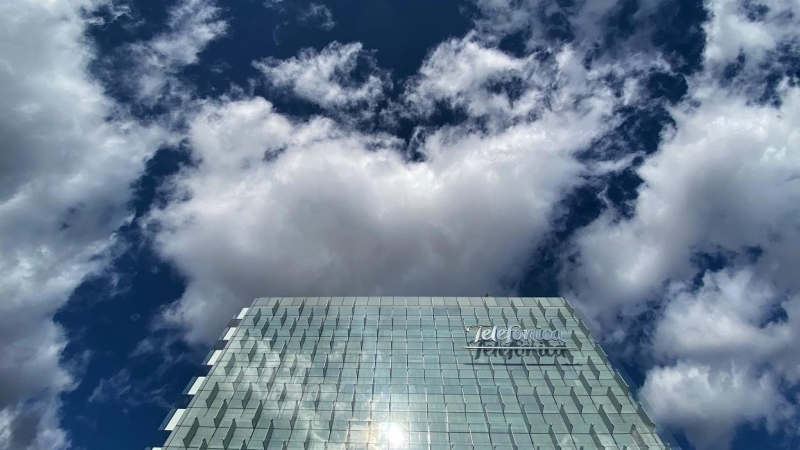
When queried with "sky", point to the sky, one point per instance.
{"points": [[162, 163]]}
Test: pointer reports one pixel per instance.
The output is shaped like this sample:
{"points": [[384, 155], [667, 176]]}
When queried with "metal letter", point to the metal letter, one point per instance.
{"points": [[502, 335], [477, 333], [486, 334]]}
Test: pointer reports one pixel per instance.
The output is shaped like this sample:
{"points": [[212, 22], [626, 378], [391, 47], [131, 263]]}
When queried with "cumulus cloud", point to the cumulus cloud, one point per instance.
{"points": [[321, 209], [458, 72], [730, 345], [709, 403], [753, 46], [308, 206], [191, 26], [751, 29], [722, 186], [293, 206], [68, 159], [32, 426], [328, 78], [722, 181], [472, 75], [731, 317], [311, 206], [325, 208]]}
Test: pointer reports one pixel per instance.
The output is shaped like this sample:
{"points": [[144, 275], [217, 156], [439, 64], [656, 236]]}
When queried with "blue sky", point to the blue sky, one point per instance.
{"points": [[165, 162]]}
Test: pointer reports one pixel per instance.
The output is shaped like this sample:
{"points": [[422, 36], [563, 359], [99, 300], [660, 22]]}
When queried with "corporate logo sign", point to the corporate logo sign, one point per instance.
{"points": [[514, 337]]}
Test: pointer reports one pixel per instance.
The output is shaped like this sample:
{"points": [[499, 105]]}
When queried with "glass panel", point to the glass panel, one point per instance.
{"points": [[393, 372]]}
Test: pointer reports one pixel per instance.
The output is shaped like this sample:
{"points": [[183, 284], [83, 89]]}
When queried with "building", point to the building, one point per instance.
{"points": [[408, 373]]}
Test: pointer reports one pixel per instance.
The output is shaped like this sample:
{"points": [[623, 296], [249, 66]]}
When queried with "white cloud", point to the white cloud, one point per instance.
{"points": [[723, 182], [111, 11], [326, 78], [729, 318], [709, 403], [115, 387], [128, 392], [734, 320], [730, 345], [584, 22], [457, 72], [338, 211], [288, 206], [736, 27], [33, 426], [311, 14], [68, 159], [191, 26], [487, 83], [323, 208], [318, 15]]}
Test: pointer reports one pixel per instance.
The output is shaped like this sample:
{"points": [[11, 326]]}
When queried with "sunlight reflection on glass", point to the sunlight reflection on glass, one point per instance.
{"points": [[390, 435]]}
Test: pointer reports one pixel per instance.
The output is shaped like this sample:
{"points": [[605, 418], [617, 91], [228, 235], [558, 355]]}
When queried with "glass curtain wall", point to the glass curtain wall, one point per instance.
{"points": [[409, 373]]}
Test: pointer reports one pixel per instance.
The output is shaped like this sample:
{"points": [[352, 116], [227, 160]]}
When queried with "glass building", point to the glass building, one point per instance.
{"points": [[408, 373]]}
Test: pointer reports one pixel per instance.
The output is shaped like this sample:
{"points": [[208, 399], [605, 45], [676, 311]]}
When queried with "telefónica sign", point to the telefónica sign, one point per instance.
{"points": [[503, 337]]}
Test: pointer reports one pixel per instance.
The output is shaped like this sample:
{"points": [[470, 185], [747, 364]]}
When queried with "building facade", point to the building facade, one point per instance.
{"points": [[408, 373]]}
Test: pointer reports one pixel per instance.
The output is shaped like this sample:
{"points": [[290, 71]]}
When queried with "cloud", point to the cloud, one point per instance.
{"points": [[731, 358], [32, 425], [130, 392], [321, 208], [312, 206], [709, 250], [329, 78], [472, 75], [723, 181], [113, 388], [741, 331], [308, 13], [284, 205], [731, 317], [191, 26], [318, 15], [754, 30], [709, 403], [459, 72], [110, 11], [584, 23], [731, 346], [69, 157]]}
